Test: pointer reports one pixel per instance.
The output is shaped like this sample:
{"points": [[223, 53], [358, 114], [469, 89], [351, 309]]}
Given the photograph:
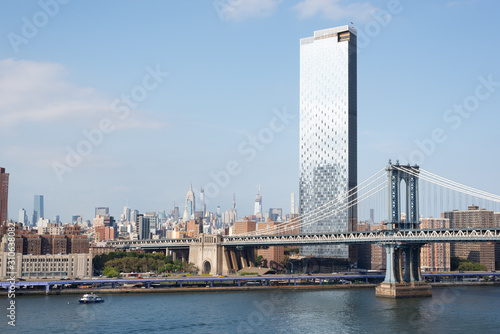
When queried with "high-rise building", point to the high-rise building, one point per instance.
{"points": [[480, 252], [435, 256], [37, 209], [275, 214], [23, 217], [151, 218], [101, 211], [126, 213], [4, 194], [190, 206], [257, 211], [202, 200], [328, 132]]}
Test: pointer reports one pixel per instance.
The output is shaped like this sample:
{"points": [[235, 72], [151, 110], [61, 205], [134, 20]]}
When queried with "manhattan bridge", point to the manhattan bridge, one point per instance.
{"points": [[406, 191]]}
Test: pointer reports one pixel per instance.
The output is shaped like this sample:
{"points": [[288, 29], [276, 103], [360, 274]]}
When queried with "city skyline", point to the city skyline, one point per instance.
{"points": [[217, 105]]}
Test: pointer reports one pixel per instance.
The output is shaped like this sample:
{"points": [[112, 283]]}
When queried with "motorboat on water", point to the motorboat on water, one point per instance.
{"points": [[89, 298]]}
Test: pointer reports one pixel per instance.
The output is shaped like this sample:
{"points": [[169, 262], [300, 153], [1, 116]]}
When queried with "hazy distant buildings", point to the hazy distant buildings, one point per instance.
{"points": [[101, 211], [23, 217], [275, 214], [258, 206], [190, 206], [37, 209], [4, 194], [328, 132], [231, 215]]}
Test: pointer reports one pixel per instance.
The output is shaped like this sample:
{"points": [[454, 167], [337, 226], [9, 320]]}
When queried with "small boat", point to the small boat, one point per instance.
{"points": [[90, 298]]}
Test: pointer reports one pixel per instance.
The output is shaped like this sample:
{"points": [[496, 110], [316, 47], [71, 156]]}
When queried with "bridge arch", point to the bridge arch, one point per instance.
{"points": [[207, 267]]}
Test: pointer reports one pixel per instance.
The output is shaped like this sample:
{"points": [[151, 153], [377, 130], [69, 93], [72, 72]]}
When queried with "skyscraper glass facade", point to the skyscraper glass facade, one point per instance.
{"points": [[4, 194], [37, 209], [328, 132]]}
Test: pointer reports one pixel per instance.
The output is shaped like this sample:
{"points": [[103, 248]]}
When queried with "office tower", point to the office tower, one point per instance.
{"points": [[151, 219], [372, 216], [37, 209], [126, 213], [275, 214], [258, 204], [133, 218], [57, 219], [203, 204], [175, 213], [4, 194], [190, 206], [101, 211], [142, 227], [23, 217], [328, 132]]}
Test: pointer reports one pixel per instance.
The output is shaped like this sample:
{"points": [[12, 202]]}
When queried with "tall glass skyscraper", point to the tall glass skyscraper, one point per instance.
{"points": [[37, 209], [328, 132], [4, 194]]}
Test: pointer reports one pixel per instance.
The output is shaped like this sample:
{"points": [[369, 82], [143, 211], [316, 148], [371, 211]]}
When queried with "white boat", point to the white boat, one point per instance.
{"points": [[89, 298]]}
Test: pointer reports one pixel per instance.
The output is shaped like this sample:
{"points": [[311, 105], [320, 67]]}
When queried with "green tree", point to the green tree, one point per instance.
{"points": [[454, 263], [111, 272], [466, 265], [258, 261]]}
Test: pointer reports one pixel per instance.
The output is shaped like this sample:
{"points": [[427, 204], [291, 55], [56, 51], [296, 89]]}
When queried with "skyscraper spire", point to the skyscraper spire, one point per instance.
{"points": [[234, 201], [258, 203]]}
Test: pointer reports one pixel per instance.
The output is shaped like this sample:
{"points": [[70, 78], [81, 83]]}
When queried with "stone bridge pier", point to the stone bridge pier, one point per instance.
{"points": [[211, 258]]}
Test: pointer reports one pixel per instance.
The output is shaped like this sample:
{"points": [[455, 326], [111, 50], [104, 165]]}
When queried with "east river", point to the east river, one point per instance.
{"points": [[450, 310]]}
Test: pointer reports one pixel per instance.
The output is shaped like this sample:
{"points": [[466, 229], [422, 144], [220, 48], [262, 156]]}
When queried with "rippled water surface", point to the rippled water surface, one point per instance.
{"points": [[451, 310]]}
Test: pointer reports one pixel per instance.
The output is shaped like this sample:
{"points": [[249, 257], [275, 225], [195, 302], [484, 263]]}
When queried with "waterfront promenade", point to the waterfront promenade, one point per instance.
{"points": [[235, 283]]}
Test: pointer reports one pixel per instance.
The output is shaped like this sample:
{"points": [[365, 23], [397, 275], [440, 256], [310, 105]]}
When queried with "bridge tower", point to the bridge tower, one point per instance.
{"points": [[398, 282]]}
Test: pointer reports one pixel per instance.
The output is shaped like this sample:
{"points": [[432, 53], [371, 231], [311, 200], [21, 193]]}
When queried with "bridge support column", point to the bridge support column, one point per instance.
{"points": [[397, 285], [234, 261]]}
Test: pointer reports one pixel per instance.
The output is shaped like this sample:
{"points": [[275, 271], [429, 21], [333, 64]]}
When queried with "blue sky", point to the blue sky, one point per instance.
{"points": [[233, 66]]}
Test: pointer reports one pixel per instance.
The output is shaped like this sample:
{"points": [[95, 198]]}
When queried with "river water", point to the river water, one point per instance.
{"points": [[450, 310]]}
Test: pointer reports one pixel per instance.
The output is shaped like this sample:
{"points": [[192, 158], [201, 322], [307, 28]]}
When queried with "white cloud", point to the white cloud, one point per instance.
{"points": [[40, 92], [239, 10], [335, 10]]}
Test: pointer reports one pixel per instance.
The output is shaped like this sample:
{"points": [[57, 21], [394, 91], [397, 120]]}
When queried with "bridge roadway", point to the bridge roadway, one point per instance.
{"points": [[210, 280], [382, 236]]}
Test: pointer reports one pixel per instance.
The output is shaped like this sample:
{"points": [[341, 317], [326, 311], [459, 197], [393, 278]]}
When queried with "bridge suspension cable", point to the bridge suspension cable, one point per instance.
{"points": [[424, 175], [330, 208]]}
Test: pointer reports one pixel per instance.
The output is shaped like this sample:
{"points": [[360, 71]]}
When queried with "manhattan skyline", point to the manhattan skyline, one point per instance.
{"points": [[231, 69]]}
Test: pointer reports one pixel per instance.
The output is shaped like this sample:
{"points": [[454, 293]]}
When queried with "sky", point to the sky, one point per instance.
{"points": [[106, 103]]}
